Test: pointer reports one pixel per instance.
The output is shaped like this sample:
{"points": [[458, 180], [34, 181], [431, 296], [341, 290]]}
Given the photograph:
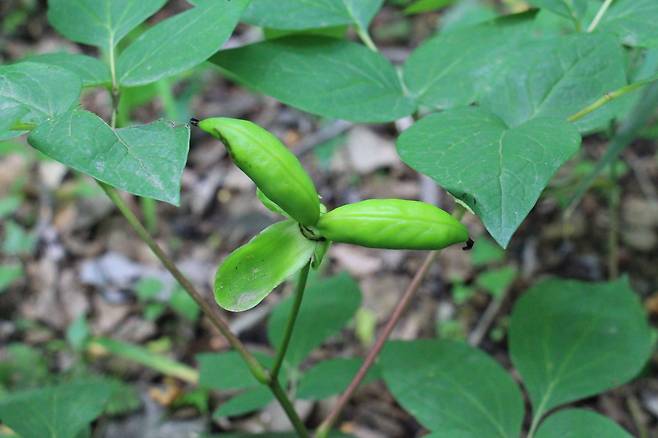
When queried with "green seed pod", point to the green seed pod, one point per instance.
{"points": [[393, 224], [275, 170]]}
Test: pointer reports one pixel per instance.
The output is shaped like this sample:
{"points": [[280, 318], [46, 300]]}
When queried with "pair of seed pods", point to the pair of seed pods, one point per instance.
{"points": [[283, 182]]}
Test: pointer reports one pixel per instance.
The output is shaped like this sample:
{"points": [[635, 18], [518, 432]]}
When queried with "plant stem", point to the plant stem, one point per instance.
{"points": [[365, 37], [400, 307], [611, 96], [613, 230], [599, 15], [283, 348]]}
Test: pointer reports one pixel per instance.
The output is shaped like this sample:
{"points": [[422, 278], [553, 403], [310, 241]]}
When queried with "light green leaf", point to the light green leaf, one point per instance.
{"points": [[9, 274], [497, 281], [557, 77], [77, 333], [9, 205], [310, 14], [420, 6], [576, 423], [32, 93], [184, 305], [570, 340], [91, 71], [324, 76], [453, 68], [179, 43], [485, 252], [146, 160], [17, 240], [226, 371], [634, 21], [58, 411], [573, 9], [453, 389], [252, 271], [101, 23], [499, 172], [331, 377], [247, 401], [327, 307], [269, 204]]}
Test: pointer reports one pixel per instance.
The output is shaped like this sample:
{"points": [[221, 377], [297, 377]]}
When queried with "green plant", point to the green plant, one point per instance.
{"points": [[500, 106]]}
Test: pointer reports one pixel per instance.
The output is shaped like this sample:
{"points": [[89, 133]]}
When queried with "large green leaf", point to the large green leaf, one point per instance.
{"points": [[310, 14], [101, 23], [453, 68], [577, 423], [324, 76], [327, 307], [557, 77], [570, 340], [573, 9], [58, 411], [453, 389], [497, 170], [90, 70], [226, 371], [146, 160], [252, 271], [634, 21], [179, 43], [32, 92]]}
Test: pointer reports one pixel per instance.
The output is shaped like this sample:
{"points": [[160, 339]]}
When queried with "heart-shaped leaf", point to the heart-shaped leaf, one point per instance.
{"points": [[146, 160], [32, 92], [252, 271], [453, 389], [327, 307], [180, 42], [580, 423], [311, 14], [101, 23], [497, 170], [570, 340], [557, 77], [324, 76]]}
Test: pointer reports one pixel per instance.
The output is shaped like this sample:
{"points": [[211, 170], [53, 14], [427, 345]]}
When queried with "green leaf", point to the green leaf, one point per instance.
{"points": [[453, 389], [226, 371], [324, 76], [148, 288], [247, 401], [179, 43], [33, 93], [251, 272], [420, 6], [77, 333], [328, 305], [91, 71], [331, 377], [570, 340], [580, 423], [558, 77], [485, 252], [634, 21], [499, 172], [124, 398], [311, 14], [453, 68], [58, 411], [9, 205], [269, 204], [9, 274], [101, 23], [146, 160], [496, 281], [184, 305], [573, 9], [17, 240]]}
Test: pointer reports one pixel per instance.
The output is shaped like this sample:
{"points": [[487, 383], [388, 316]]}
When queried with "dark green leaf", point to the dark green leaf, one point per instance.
{"points": [[498, 171], [179, 43], [634, 21], [323, 76], [91, 71], [59, 411], [570, 340], [33, 93], [247, 401], [327, 307], [485, 252], [580, 423], [331, 377], [101, 23], [557, 77], [310, 14], [251, 272], [146, 160], [227, 370], [453, 389]]}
